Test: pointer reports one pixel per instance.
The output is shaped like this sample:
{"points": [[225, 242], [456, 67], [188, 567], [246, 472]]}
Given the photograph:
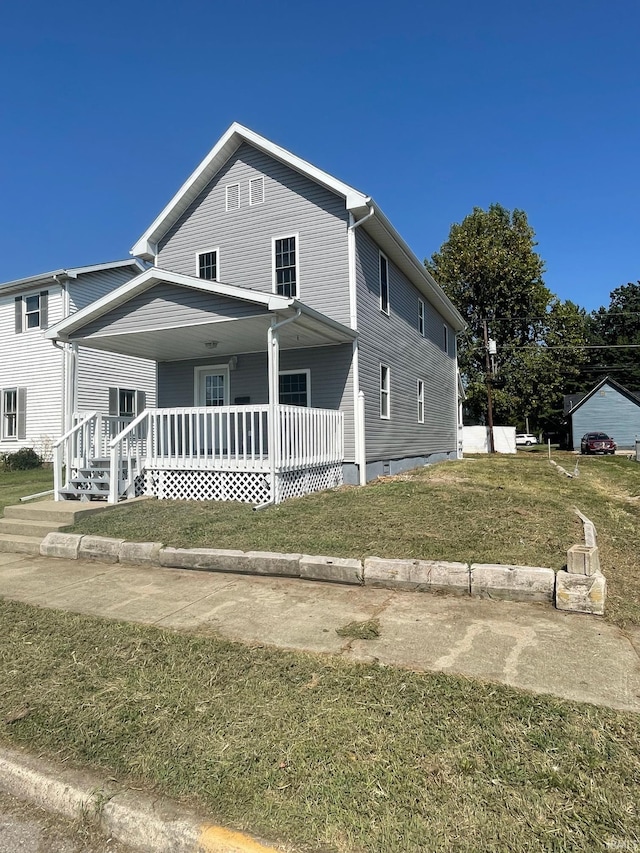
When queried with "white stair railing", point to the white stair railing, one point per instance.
{"points": [[126, 453], [75, 448]]}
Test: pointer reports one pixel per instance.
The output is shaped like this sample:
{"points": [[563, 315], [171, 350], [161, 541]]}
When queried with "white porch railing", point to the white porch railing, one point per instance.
{"points": [[232, 439]]}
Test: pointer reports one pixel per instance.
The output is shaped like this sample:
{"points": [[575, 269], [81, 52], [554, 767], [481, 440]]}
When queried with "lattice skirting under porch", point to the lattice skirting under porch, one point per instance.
{"points": [[245, 486], [295, 484]]}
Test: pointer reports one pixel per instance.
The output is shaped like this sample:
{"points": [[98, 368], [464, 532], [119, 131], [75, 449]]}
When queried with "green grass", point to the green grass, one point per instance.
{"points": [[315, 751], [505, 509], [18, 484]]}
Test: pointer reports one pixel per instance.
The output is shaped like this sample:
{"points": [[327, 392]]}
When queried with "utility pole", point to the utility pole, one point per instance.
{"points": [[492, 447]]}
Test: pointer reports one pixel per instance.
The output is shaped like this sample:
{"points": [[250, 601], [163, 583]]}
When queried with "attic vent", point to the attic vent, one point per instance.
{"points": [[256, 190], [233, 196]]}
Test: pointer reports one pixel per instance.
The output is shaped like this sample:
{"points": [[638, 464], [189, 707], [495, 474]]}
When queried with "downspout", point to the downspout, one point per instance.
{"points": [[273, 357], [358, 396]]}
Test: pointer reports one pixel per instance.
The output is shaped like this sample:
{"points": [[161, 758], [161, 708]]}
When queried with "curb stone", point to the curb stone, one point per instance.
{"points": [[143, 822]]}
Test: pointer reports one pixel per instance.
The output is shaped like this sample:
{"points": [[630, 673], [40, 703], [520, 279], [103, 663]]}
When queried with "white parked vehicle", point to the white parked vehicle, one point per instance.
{"points": [[523, 438]]}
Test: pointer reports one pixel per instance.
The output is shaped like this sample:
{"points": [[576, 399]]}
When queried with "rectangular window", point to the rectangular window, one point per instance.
{"points": [[445, 338], [256, 191], [385, 392], [384, 284], [208, 265], [32, 311], [285, 267], [232, 196], [126, 403], [421, 317], [420, 401], [10, 413], [295, 387]]}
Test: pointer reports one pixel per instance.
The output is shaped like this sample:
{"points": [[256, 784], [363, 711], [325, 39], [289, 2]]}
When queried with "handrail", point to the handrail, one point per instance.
{"points": [[119, 482], [75, 428], [63, 448], [134, 423]]}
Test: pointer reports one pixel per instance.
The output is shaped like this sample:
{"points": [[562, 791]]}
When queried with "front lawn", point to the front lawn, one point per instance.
{"points": [[504, 509], [312, 750], [18, 484]]}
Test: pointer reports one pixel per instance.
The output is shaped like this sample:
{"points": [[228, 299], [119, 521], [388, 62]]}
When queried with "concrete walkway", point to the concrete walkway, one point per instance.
{"points": [[530, 646]]}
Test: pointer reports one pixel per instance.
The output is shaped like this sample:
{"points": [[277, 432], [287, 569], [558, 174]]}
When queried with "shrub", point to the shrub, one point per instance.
{"points": [[21, 460]]}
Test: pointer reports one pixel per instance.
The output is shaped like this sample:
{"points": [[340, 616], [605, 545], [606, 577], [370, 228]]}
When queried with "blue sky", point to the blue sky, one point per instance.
{"points": [[431, 108]]}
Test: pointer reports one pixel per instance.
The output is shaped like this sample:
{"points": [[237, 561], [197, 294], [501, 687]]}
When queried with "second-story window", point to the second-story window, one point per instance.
{"points": [[285, 266], [421, 317], [31, 311], [384, 284], [445, 338], [208, 265]]}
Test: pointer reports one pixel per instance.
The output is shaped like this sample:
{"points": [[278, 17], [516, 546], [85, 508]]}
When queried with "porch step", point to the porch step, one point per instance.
{"points": [[56, 511], [27, 527], [93, 493], [11, 543]]}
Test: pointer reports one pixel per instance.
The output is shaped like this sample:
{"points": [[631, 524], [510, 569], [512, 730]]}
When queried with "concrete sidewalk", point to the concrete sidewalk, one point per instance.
{"points": [[530, 646]]}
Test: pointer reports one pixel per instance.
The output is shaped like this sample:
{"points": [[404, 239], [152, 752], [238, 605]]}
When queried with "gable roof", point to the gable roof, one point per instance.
{"points": [[356, 203], [630, 395], [65, 274]]}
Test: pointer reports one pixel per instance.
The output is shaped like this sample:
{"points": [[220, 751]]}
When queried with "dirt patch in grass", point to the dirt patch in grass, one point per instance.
{"points": [[367, 630], [318, 752]]}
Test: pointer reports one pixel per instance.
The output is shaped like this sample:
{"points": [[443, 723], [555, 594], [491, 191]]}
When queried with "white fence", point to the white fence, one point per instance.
{"points": [[475, 439]]}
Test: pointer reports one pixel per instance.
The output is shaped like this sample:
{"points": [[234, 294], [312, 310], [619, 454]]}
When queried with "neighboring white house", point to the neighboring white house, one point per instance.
{"points": [[299, 341], [41, 385]]}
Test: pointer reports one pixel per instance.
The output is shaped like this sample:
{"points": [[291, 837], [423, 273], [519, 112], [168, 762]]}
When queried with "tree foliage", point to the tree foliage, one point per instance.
{"points": [[617, 326], [490, 270]]}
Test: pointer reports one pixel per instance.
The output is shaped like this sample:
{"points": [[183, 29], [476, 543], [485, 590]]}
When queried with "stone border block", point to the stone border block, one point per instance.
{"points": [[140, 553], [514, 583], [205, 559], [268, 563], [418, 575], [581, 593], [583, 560], [65, 545], [100, 548], [332, 569]]}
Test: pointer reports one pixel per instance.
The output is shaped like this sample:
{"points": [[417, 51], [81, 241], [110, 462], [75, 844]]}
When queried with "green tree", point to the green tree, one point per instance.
{"points": [[616, 326], [491, 271]]}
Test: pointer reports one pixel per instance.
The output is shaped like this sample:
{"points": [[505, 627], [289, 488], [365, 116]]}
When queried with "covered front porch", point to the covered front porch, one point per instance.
{"points": [[211, 341]]}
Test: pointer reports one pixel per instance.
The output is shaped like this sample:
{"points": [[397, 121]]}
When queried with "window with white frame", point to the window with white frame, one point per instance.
{"points": [[256, 190], [385, 392], [421, 316], [208, 265], [126, 403], [232, 196], [384, 283], [295, 387], [10, 413], [445, 337], [420, 401], [31, 311], [285, 266]]}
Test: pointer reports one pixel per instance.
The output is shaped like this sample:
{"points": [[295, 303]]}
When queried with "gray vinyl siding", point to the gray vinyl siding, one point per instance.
{"points": [[331, 380], [168, 305], [608, 411], [293, 205], [395, 341], [91, 286], [98, 371]]}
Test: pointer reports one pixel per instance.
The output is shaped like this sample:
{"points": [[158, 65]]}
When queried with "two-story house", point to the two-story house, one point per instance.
{"points": [[42, 385], [300, 343]]}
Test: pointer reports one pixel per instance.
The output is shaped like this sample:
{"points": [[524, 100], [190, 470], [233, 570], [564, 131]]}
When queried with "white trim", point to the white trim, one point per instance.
{"points": [[259, 178], [206, 370], [72, 272], [421, 318], [306, 370], [274, 283], [445, 338], [384, 310], [12, 389], [133, 391], [199, 252], [227, 207], [384, 391], [420, 396]]}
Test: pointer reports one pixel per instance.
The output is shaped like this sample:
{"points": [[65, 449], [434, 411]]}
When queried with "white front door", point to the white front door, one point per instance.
{"points": [[212, 386]]}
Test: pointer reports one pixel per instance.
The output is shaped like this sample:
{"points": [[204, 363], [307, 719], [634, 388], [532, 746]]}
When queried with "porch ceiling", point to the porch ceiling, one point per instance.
{"points": [[222, 338]]}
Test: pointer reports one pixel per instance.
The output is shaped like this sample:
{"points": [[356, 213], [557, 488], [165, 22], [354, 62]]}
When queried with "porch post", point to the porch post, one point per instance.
{"points": [[273, 354]]}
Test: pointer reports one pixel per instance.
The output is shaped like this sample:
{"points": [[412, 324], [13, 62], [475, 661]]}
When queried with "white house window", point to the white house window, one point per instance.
{"points": [[31, 311], [384, 284], [421, 316], [208, 265], [445, 338], [385, 392], [420, 401], [256, 190], [295, 387], [10, 413], [285, 266], [232, 196], [126, 403]]}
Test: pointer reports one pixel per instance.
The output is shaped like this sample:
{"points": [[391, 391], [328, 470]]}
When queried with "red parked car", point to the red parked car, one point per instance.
{"points": [[597, 442]]}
